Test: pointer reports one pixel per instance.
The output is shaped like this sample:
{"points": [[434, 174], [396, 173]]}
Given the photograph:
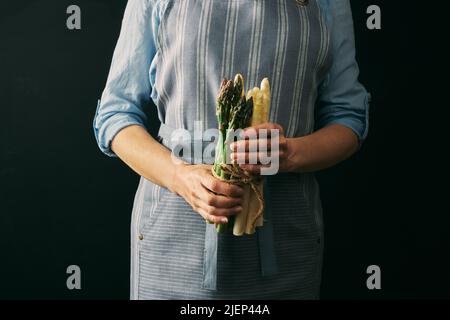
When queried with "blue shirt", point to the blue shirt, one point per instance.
{"points": [[341, 99]]}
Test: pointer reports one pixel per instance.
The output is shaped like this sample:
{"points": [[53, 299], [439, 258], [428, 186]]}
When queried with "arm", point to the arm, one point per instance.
{"points": [[119, 123], [343, 103], [341, 109], [317, 151], [144, 155], [320, 150]]}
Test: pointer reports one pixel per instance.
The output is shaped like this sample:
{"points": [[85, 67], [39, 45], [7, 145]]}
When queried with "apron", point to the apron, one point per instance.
{"points": [[175, 254]]}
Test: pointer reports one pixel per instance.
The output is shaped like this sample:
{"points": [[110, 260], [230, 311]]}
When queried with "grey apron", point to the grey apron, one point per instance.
{"points": [[175, 254]]}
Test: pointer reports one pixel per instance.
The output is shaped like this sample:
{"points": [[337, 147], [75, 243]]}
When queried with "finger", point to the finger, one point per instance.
{"points": [[211, 218], [220, 187], [253, 168], [218, 201], [267, 126], [219, 212], [251, 145], [265, 157], [254, 157], [245, 157]]}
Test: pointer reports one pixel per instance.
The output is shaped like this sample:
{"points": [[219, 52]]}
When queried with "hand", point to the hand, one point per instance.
{"points": [[246, 149], [213, 199]]}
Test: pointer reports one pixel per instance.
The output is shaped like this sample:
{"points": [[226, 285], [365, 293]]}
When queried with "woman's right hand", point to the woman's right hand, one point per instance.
{"points": [[213, 199]]}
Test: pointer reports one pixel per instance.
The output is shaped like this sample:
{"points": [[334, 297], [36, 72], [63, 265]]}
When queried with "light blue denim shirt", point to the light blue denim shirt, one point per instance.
{"points": [[341, 100]]}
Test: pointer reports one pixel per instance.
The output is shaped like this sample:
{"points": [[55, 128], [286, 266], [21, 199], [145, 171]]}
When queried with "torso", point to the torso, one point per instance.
{"points": [[200, 42]]}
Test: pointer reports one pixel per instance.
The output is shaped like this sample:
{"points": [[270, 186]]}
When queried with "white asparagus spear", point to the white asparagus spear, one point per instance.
{"points": [[265, 89]]}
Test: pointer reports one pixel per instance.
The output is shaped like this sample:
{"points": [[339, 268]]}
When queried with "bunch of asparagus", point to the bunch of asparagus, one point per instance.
{"points": [[236, 111], [233, 111]]}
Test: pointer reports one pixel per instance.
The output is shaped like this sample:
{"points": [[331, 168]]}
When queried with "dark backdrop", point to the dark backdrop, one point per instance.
{"points": [[63, 202]]}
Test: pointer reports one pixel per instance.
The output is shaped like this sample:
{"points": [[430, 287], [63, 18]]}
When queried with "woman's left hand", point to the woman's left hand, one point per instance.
{"points": [[278, 149]]}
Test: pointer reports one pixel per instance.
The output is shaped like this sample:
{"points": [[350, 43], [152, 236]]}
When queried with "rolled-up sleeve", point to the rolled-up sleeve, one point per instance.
{"points": [[341, 98], [128, 86]]}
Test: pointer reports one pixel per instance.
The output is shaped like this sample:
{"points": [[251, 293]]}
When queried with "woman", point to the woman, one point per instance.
{"points": [[176, 52]]}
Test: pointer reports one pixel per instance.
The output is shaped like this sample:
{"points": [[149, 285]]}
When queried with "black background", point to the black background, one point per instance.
{"points": [[63, 202]]}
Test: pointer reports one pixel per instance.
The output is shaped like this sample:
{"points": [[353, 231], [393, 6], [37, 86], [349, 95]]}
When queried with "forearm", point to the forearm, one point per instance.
{"points": [[142, 153], [321, 149]]}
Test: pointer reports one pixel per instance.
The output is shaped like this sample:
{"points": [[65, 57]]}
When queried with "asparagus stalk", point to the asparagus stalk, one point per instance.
{"points": [[223, 107], [261, 97], [265, 89]]}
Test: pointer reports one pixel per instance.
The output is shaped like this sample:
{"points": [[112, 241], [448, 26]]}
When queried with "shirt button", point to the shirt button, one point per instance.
{"points": [[141, 237]]}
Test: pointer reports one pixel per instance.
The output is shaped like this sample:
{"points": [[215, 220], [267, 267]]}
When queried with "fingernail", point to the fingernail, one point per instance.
{"points": [[247, 130], [232, 146], [224, 220]]}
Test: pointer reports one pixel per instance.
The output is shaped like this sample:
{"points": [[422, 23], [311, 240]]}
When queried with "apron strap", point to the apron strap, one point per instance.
{"points": [[210, 258], [265, 233]]}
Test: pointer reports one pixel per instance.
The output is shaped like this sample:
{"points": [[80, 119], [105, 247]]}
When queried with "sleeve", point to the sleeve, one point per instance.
{"points": [[128, 85], [341, 98]]}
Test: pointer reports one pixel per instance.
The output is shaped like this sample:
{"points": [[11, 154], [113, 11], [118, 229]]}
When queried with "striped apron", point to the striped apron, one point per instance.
{"points": [[175, 254]]}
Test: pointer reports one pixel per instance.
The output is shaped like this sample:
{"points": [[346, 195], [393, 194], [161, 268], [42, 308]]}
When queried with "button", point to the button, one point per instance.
{"points": [[141, 237]]}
